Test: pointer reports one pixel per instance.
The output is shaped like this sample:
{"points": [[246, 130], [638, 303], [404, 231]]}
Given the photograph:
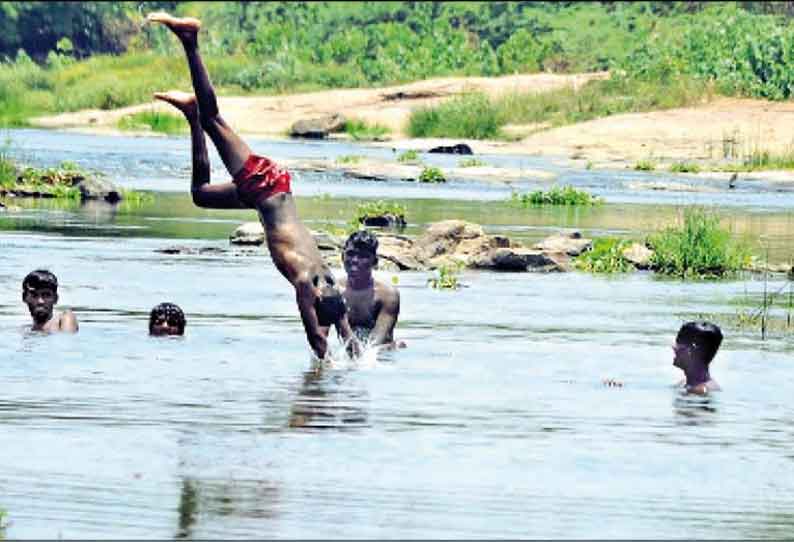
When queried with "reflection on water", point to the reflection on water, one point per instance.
{"points": [[493, 423]]}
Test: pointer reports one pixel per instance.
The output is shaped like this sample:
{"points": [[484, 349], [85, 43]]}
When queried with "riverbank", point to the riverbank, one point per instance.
{"points": [[712, 136]]}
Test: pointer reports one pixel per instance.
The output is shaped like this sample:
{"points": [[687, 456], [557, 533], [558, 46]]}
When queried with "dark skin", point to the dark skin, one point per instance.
{"points": [[690, 359], [292, 247], [372, 305], [41, 304]]}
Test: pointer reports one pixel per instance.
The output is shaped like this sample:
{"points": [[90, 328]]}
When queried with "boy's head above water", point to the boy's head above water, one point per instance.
{"points": [[167, 319], [695, 346], [40, 294]]}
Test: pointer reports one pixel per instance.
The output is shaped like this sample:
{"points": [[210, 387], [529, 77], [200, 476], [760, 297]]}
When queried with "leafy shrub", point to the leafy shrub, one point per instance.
{"points": [[446, 278], [566, 195], [166, 123], [685, 167], [606, 256], [697, 247], [373, 209], [470, 115], [645, 165], [471, 162], [432, 174], [408, 156]]}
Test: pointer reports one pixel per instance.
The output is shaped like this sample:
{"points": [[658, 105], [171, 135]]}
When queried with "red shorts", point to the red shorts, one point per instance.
{"points": [[260, 178]]}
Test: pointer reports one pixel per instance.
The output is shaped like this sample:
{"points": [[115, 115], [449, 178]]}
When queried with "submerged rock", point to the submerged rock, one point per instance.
{"points": [[460, 148], [385, 221], [571, 243], [519, 259], [100, 189]]}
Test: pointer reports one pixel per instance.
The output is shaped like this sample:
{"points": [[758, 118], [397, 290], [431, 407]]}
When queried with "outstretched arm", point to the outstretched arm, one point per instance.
{"points": [[315, 334]]}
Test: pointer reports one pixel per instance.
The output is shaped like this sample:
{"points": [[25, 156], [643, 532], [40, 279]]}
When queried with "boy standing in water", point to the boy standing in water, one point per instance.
{"points": [[166, 319], [373, 306], [695, 346], [40, 294], [257, 183]]}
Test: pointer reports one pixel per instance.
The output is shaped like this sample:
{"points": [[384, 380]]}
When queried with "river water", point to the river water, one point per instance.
{"points": [[492, 423]]}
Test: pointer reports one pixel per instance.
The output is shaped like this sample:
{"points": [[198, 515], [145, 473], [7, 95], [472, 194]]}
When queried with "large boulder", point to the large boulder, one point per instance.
{"points": [[518, 259], [318, 128], [95, 188], [571, 243], [397, 252], [460, 148], [639, 255], [450, 238], [248, 233]]}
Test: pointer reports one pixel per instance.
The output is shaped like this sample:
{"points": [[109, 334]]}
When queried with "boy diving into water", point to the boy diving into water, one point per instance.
{"points": [[260, 184]]}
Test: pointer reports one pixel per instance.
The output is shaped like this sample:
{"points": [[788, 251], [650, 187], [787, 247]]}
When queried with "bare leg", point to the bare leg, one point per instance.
{"points": [[232, 150], [216, 196]]}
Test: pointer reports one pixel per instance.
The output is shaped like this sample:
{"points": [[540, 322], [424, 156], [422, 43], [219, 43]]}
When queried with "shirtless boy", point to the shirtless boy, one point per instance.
{"points": [[166, 319], [40, 294], [695, 346], [260, 184], [373, 306]]}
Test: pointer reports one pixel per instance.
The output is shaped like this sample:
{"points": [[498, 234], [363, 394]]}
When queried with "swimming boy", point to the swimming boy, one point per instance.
{"points": [[695, 347], [260, 184], [166, 319], [373, 306], [40, 294]]}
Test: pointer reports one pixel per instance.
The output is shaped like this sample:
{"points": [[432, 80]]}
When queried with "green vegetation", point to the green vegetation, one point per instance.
{"points": [[432, 174], [698, 247], [470, 115], [685, 167], [3, 523], [380, 208], [408, 156], [606, 256], [759, 160], [565, 195], [645, 165], [58, 182], [165, 123], [471, 162], [134, 198], [361, 131], [446, 278], [349, 159]]}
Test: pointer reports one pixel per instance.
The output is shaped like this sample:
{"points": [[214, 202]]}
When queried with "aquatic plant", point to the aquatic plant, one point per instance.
{"points": [[697, 247], [432, 174], [471, 162], [606, 256], [155, 121], [445, 278], [408, 156], [376, 209], [135, 198], [361, 131], [685, 167], [645, 165], [3, 523], [349, 159], [565, 195]]}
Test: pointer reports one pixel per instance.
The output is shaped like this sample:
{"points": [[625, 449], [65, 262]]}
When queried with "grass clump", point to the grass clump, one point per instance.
{"points": [[164, 123], [698, 247], [408, 156], [446, 278], [391, 212], [361, 131], [566, 195], [471, 162], [3, 523], [349, 159], [432, 174], [645, 165], [470, 115], [606, 256], [685, 167]]}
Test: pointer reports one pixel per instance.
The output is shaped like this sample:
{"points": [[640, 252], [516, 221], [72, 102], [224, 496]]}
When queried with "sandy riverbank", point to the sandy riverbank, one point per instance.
{"points": [[702, 133]]}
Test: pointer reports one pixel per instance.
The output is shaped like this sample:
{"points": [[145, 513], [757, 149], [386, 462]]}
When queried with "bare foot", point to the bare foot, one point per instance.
{"points": [[185, 28], [183, 101]]}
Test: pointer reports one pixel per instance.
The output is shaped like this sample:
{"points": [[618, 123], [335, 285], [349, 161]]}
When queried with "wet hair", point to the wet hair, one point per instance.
{"points": [[40, 278], [330, 307], [363, 240], [172, 313], [706, 336]]}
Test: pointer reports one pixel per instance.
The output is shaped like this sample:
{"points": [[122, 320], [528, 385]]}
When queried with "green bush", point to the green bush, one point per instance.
{"points": [[408, 156], [565, 195], [698, 247], [470, 115], [685, 167], [431, 174], [372, 209], [361, 131], [446, 278], [645, 165], [471, 162], [165, 123], [606, 256]]}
